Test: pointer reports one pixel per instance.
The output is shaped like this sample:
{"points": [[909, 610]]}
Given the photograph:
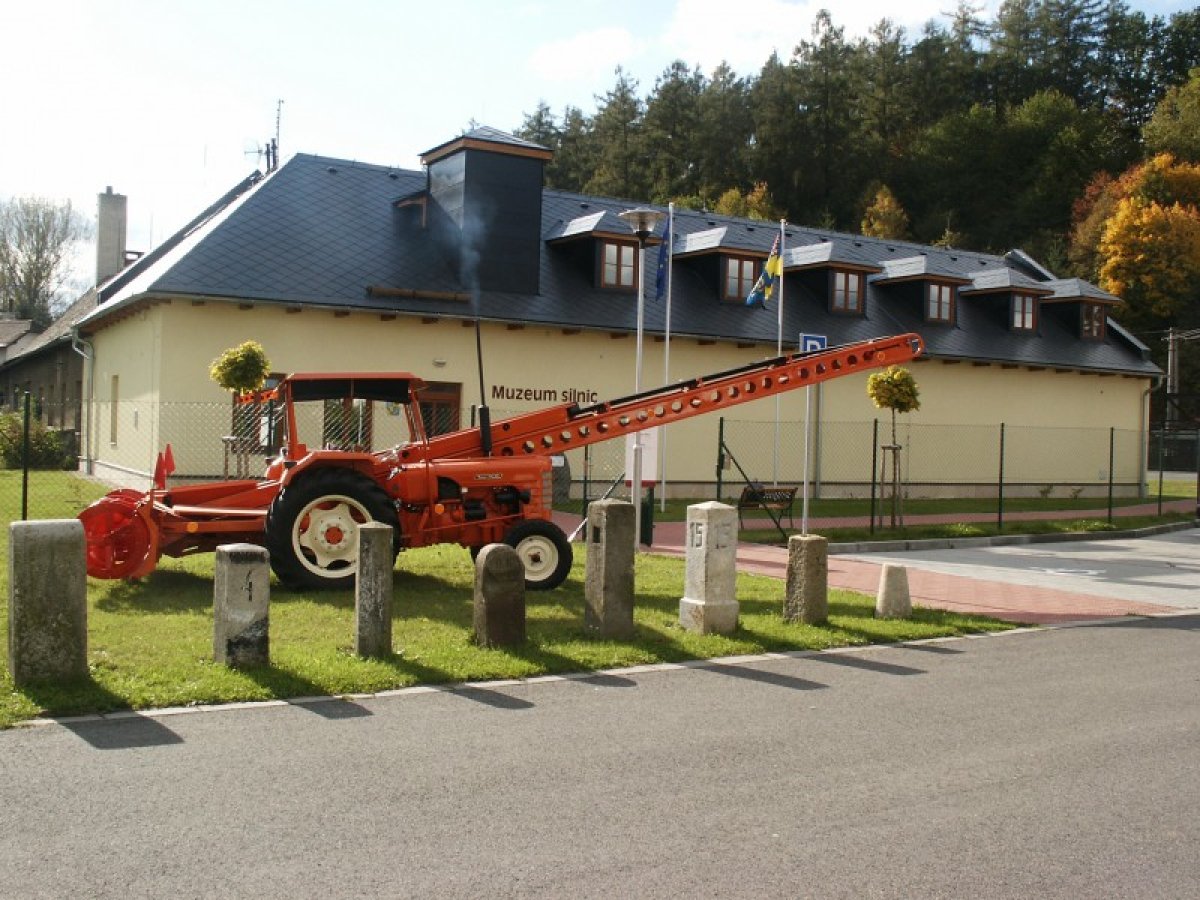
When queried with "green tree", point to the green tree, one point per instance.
{"points": [[619, 148], [778, 131], [1175, 125], [721, 146], [575, 161], [1127, 70], [826, 104], [670, 129], [883, 114], [37, 237], [1072, 32]]}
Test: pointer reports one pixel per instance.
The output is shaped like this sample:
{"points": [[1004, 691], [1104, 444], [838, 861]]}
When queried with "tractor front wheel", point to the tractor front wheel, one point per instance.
{"points": [[312, 527], [544, 551]]}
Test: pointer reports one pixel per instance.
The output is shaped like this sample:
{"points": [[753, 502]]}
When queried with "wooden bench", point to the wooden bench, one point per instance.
{"points": [[774, 501]]}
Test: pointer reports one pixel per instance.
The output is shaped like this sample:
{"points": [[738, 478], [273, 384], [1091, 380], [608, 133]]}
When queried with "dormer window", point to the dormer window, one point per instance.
{"points": [[740, 276], [939, 303], [1093, 321], [1024, 307], [848, 291], [618, 265]]}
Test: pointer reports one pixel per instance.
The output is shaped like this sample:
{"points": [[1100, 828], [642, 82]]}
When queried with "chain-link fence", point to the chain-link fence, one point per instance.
{"points": [[847, 459], [1175, 449], [855, 459]]}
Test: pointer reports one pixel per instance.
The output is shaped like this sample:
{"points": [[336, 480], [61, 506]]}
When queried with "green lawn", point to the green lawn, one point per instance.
{"points": [[150, 642]]}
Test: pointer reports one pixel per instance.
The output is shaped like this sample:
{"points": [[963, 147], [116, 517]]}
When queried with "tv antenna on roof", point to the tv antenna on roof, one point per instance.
{"points": [[270, 149]]}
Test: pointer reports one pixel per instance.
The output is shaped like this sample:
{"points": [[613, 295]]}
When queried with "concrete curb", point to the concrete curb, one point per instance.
{"points": [[645, 668], [1006, 540]]}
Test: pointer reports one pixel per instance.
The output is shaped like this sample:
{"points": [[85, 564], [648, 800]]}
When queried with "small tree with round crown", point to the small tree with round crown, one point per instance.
{"points": [[895, 389]]}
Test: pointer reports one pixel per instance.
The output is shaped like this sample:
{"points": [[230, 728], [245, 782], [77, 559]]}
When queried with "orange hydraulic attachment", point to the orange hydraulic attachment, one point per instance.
{"points": [[445, 489], [565, 427]]}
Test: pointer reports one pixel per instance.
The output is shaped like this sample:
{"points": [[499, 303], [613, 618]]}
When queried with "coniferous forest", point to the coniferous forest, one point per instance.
{"points": [[1047, 128]]}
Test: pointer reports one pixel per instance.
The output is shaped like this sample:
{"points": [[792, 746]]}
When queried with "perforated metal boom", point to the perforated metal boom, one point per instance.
{"points": [[565, 427]]}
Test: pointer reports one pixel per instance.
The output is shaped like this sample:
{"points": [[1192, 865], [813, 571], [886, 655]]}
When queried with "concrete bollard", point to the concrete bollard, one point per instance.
{"points": [[608, 576], [709, 604], [241, 606], [499, 597], [807, 595], [893, 600], [373, 590], [47, 601]]}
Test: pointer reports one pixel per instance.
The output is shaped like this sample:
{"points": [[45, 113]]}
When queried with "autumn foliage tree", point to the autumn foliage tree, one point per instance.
{"points": [[1138, 236], [885, 217]]}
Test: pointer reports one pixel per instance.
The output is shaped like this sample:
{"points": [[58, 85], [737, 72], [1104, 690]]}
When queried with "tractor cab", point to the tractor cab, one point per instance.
{"points": [[344, 412]]}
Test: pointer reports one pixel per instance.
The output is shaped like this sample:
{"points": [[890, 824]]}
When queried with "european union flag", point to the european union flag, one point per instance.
{"points": [[664, 263]]}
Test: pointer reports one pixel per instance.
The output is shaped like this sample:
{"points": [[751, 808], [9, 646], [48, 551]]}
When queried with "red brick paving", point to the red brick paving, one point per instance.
{"points": [[1001, 600]]}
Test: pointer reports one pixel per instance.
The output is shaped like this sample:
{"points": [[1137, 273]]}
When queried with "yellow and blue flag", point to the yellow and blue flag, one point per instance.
{"points": [[765, 286]]}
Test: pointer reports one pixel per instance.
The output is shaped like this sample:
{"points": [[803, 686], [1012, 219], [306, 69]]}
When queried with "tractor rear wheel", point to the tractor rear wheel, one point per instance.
{"points": [[312, 527], [544, 551]]}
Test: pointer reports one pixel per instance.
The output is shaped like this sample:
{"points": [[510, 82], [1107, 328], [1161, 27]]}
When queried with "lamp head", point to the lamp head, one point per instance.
{"points": [[642, 221]]}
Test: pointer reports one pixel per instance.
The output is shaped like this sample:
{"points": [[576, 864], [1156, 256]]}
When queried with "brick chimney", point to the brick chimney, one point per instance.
{"points": [[110, 235]]}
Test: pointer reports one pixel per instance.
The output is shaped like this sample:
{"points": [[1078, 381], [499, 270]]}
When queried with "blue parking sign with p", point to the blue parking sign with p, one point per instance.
{"points": [[813, 342]]}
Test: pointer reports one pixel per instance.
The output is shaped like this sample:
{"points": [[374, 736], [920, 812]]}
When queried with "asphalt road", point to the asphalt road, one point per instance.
{"points": [[1164, 569], [1054, 763]]}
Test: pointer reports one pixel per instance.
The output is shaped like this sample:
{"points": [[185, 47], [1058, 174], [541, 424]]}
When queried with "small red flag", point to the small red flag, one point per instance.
{"points": [[168, 461], [160, 478]]}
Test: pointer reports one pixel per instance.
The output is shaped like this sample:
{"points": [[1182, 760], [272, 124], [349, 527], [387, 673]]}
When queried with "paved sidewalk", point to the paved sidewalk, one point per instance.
{"points": [[1002, 600]]}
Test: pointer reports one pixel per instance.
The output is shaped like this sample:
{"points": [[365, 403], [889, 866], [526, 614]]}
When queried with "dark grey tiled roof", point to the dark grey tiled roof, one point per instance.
{"points": [[988, 281], [11, 330], [919, 266], [322, 231], [1078, 289], [486, 134]]}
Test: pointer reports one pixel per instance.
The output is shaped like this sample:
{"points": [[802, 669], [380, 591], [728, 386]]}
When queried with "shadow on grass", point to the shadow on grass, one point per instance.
{"points": [[163, 591], [287, 684]]}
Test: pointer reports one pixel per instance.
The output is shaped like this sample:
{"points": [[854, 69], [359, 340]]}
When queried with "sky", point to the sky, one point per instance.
{"points": [[169, 101]]}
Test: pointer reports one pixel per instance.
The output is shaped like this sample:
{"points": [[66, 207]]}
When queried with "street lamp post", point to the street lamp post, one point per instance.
{"points": [[642, 221]]}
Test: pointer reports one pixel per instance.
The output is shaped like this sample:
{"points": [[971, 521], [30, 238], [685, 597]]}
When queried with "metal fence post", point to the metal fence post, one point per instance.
{"points": [[1196, 446], [1112, 452], [1162, 444], [874, 463], [1000, 485], [25, 460], [587, 467], [720, 453]]}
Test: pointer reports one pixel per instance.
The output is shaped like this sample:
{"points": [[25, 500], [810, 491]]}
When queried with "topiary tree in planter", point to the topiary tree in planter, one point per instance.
{"points": [[241, 370], [895, 389]]}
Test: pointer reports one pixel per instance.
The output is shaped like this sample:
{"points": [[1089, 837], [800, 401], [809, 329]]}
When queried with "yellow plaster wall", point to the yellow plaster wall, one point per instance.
{"points": [[540, 359], [133, 353]]}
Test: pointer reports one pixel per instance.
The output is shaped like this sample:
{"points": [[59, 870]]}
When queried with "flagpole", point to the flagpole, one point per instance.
{"points": [[669, 237], [779, 344]]}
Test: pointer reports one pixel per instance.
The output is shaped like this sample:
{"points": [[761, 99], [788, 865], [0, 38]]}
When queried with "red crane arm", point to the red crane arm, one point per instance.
{"points": [[565, 427]]}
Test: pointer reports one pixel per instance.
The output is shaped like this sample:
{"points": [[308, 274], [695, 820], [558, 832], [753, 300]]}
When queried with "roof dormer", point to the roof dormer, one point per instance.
{"points": [[485, 198]]}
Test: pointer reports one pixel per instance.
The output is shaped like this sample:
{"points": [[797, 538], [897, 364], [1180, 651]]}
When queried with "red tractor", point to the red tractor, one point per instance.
{"points": [[473, 487]]}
